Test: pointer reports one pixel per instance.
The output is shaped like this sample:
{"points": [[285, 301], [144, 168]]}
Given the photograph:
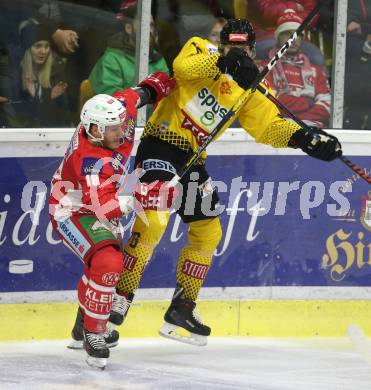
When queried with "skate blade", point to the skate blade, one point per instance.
{"points": [[169, 331], [94, 362], [112, 345], [76, 344], [79, 344]]}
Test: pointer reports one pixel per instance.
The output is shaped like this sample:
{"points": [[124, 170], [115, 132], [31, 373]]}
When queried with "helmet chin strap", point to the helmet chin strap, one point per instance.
{"points": [[95, 139]]}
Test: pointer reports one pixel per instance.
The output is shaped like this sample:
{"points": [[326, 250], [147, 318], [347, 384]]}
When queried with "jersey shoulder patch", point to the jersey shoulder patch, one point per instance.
{"points": [[91, 166], [212, 49], [117, 161]]}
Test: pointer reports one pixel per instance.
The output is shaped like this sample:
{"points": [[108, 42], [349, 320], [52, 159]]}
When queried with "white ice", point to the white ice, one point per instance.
{"points": [[160, 364]]}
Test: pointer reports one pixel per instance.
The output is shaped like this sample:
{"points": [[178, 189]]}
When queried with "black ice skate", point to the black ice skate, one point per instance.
{"points": [[111, 336], [182, 314], [96, 348], [119, 310]]}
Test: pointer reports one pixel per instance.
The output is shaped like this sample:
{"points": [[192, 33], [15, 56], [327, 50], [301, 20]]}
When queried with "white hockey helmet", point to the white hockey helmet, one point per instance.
{"points": [[102, 110]]}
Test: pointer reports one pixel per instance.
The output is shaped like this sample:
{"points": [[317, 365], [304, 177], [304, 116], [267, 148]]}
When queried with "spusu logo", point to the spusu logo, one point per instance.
{"points": [[205, 108]]}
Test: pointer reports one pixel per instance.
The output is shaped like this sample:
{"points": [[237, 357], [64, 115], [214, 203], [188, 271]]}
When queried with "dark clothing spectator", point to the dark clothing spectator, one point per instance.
{"points": [[36, 87]]}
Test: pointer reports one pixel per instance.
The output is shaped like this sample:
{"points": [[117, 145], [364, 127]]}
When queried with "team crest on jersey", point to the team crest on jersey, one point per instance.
{"points": [[366, 211], [117, 161], [91, 166], [225, 88]]}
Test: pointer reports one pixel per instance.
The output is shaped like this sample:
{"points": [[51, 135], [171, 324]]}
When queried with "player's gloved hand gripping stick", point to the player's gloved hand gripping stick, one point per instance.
{"points": [[308, 129]]}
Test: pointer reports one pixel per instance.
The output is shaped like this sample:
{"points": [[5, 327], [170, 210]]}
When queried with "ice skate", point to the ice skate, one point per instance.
{"points": [[119, 310], [96, 348], [111, 336], [182, 314]]}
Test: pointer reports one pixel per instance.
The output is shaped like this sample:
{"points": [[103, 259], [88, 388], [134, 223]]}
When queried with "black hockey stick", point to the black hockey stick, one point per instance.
{"points": [[284, 109], [244, 96]]}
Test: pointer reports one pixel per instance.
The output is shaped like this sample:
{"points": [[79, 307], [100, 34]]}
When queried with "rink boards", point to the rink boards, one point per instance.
{"points": [[295, 257]]}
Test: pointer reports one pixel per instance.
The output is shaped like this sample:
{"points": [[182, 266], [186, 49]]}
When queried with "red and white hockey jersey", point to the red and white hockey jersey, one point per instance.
{"points": [[88, 179], [303, 88]]}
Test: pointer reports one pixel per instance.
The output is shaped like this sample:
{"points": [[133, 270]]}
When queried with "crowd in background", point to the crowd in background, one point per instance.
{"points": [[54, 55]]}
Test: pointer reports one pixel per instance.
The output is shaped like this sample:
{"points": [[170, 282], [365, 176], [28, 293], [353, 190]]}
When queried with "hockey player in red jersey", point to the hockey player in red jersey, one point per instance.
{"points": [[86, 204]]}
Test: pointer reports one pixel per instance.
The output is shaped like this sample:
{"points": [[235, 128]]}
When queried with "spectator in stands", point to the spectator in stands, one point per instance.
{"points": [[80, 29], [214, 35], [36, 88], [357, 91], [264, 14], [300, 85], [115, 70]]}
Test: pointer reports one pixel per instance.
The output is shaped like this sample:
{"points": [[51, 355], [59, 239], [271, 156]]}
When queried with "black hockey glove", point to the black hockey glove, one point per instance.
{"points": [[240, 66], [316, 143]]}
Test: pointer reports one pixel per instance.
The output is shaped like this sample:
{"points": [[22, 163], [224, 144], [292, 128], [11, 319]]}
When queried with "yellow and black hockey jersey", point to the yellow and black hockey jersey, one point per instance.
{"points": [[203, 96]]}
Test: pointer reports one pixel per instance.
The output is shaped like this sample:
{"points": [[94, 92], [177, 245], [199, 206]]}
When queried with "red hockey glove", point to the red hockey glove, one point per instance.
{"points": [[160, 85], [130, 99]]}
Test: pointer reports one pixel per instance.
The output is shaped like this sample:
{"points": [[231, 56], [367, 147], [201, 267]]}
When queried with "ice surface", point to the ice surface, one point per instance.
{"points": [[159, 364]]}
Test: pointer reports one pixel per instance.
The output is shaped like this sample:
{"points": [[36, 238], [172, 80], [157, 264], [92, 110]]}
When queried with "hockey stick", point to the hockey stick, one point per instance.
{"points": [[244, 96], [344, 159]]}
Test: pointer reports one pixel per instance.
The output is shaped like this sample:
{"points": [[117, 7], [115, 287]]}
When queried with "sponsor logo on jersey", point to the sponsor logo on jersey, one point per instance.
{"points": [[117, 161], [189, 124], [110, 278], [91, 166], [212, 49], [205, 108], [72, 235], [153, 164], [195, 270], [155, 196], [129, 261]]}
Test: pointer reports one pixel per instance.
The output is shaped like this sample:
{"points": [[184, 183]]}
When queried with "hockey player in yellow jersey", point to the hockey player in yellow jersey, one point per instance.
{"points": [[209, 81]]}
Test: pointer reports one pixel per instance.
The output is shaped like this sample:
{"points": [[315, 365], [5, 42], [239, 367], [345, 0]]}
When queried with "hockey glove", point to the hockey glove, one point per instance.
{"points": [[240, 66], [159, 85], [130, 99], [316, 143]]}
